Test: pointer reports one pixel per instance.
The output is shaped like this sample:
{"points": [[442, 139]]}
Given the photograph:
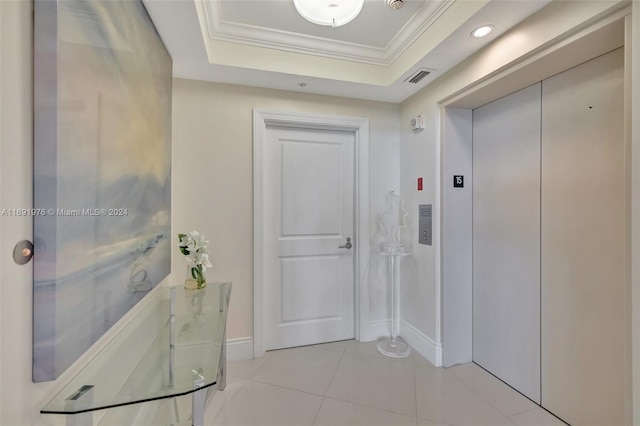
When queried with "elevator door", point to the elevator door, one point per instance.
{"points": [[583, 243], [506, 239], [549, 241]]}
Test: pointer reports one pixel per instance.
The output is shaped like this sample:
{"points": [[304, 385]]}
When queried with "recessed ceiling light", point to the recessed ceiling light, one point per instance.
{"points": [[332, 13], [481, 31]]}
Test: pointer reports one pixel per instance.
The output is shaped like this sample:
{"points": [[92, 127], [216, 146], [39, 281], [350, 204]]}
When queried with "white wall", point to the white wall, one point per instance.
{"points": [[457, 224], [212, 176], [420, 152]]}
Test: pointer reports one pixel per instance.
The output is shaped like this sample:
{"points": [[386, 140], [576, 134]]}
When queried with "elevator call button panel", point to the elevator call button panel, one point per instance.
{"points": [[425, 232]]}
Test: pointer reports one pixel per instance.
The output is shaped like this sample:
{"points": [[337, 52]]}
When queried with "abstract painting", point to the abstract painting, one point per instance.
{"points": [[102, 172]]}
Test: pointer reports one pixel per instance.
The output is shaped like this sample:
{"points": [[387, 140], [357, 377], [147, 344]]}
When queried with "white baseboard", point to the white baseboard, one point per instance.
{"points": [[377, 329], [421, 343], [240, 349]]}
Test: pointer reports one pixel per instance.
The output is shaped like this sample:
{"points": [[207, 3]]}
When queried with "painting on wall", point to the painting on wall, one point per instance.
{"points": [[102, 172]]}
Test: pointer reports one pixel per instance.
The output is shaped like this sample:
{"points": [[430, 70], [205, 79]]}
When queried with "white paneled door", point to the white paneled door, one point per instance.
{"points": [[309, 257]]}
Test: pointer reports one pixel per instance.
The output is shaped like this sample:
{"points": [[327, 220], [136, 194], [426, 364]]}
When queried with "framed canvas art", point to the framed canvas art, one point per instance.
{"points": [[102, 172]]}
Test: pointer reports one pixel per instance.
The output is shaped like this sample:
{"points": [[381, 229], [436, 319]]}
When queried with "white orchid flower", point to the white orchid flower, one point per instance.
{"points": [[204, 261], [199, 240], [184, 241], [194, 247]]}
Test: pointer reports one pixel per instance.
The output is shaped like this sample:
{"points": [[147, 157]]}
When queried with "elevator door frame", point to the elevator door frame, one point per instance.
{"points": [[455, 229]]}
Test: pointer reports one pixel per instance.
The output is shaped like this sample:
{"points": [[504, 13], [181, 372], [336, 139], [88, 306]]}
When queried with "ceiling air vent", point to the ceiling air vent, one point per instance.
{"points": [[418, 75]]}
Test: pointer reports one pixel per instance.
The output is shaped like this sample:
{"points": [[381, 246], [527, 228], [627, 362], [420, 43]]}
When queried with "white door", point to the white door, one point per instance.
{"points": [[308, 215], [506, 239], [583, 243]]}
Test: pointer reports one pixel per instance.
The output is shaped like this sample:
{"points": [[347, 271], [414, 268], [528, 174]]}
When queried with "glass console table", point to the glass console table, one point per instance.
{"points": [[180, 350]]}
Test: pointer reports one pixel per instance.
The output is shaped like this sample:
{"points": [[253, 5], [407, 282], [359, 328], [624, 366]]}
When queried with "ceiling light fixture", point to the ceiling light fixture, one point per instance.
{"points": [[394, 4], [481, 31], [334, 13]]}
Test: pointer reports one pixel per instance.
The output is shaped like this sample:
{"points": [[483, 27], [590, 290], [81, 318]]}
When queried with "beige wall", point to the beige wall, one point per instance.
{"points": [[21, 399], [213, 177], [635, 212], [1, 62]]}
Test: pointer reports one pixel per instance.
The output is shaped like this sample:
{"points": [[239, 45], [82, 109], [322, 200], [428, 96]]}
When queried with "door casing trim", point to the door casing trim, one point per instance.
{"points": [[360, 128]]}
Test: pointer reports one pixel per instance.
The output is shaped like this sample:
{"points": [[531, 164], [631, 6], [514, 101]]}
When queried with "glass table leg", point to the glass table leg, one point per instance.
{"points": [[199, 398]]}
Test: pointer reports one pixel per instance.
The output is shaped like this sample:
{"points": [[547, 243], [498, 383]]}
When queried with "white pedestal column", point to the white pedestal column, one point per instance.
{"points": [[394, 346]]}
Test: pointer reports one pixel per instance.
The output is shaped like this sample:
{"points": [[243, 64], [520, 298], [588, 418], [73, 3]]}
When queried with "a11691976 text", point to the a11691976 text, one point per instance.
{"points": [[65, 212]]}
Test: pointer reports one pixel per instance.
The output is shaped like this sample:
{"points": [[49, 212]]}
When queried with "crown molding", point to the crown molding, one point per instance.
{"points": [[270, 38], [419, 23]]}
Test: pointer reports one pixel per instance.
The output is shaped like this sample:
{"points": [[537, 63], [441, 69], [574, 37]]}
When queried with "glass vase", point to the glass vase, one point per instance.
{"points": [[195, 278]]}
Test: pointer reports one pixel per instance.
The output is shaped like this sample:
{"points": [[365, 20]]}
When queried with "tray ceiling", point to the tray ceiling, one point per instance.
{"points": [[266, 43], [277, 24]]}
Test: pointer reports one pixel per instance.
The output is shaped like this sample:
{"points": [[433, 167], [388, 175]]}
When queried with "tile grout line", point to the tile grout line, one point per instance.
{"points": [[477, 393], [246, 381], [287, 388], [230, 399], [333, 376], [367, 356], [253, 379], [359, 404], [416, 386], [372, 407], [268, 357], [522, 412], [318, 412], [324, 397]]}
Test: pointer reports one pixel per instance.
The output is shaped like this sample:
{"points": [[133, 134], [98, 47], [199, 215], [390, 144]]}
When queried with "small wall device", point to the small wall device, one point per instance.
{"points": [[417, 123]]}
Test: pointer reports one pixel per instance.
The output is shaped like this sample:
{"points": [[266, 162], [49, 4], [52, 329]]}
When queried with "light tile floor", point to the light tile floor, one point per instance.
{"points": [[351, 384]]}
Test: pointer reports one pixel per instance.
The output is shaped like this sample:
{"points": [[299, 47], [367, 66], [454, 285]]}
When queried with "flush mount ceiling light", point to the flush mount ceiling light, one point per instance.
{"points": [[482, 31], [332, 13]]}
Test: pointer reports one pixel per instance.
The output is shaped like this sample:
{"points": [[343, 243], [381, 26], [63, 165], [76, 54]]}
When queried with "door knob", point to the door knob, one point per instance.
{"points": [[348, 245]]}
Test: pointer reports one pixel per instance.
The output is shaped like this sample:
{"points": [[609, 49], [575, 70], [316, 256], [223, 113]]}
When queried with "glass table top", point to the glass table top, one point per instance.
{"points": [[158, 355]]}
